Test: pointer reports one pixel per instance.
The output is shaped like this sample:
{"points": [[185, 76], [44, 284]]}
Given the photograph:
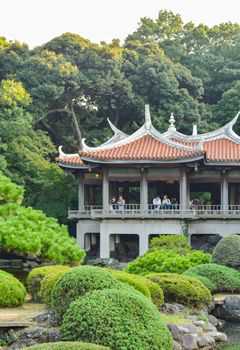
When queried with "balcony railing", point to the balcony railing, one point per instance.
{"points": [[152, 211]]}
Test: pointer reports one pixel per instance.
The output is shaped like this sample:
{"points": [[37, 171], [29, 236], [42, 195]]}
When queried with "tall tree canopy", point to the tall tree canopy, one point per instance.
{"points": [[191, 70]]}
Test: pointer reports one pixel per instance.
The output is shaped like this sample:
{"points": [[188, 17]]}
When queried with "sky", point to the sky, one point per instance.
{"points": [[37, 21]]}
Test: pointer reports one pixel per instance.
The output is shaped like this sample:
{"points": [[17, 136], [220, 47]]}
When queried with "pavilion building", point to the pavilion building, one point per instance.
{"points": [[200, 174]]}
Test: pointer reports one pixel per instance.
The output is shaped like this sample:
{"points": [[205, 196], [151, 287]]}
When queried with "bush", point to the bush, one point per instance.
{"points": [[134, 281], [222, 278], [155, 291], [36, 276], [166, 261], [77, 282], [12, 291], [66, 346], [227, 251], [48, 283], [182, 289], [178, 243], [26, 231], [119, 319]]}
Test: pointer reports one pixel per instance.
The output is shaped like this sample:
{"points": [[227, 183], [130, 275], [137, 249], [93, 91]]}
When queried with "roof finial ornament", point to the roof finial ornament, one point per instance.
{"points": [[172, 123], [194, 130], [148, 121]]}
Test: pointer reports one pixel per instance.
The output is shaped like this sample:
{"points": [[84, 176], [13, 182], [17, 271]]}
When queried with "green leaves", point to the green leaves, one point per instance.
{"points": [[9, 192], [29, 232]]}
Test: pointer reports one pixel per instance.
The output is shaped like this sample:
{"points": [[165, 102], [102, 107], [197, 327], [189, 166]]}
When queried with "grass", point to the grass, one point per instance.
{"points": [[176, 319], [230, 347]]}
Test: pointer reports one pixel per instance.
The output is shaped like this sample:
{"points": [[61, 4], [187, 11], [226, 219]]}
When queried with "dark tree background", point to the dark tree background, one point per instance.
{"points": [[193, 71]]}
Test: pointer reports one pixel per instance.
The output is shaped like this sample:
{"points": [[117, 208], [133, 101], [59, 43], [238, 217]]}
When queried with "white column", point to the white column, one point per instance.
{"points": [[183, 190], [81, 199], [143, 192], [104, 241], [105, 190], [143, 243], [80, 235], [224, 194]]}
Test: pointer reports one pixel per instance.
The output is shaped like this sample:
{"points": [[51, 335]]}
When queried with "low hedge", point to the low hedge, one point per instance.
{"points": [[12, 291], [77, 282], [141, 284], [227, 252], [132, 280], [182, 289], [155, 291], [67, 346], [166, 261], [119, 319], [178, 243], [36, 276], [47, 285], [221, 278]]}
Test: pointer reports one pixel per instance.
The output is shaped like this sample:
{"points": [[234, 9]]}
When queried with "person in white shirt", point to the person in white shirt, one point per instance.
{"points": [[121, 203], [166, 203], [157, 203]]}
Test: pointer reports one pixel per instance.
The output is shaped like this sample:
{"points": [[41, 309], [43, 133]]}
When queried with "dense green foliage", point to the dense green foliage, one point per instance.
{"points": [[217, 277], [36, 277], [166, 261], [182, 289], [27, 231], [227, 251], [134, 281], [12, 291], [119, 319], [179, 243], [191, 70], [67, 346], [48, 282], [77, 282]]}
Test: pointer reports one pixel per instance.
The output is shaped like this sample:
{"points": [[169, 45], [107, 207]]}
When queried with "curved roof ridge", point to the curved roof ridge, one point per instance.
{"points": [[224, 131]]}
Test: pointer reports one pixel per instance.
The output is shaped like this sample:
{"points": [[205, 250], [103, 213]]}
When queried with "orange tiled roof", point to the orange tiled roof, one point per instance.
{"points": [[222, 150], [70, 160], [143, 148]]}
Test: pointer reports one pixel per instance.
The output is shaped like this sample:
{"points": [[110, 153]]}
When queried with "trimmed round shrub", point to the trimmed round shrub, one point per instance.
{"points": [[47, 284], [182, 289], [12, 291], [222, 278], [36, 276], [166, 261], [132, 280], [77, 282], [178, 243], [67, 346], [119, 319], [155, 291], [227, 251]]}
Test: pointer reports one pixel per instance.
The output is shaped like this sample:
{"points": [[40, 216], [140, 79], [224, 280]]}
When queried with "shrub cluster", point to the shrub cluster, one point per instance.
{"points": [[182, 289], [141, 284], [217, 278], [67, 346], [167, 261], [132, 280], [178, 243], [12, 291], [120, 319], [36, 277], [227, 251], [77, 282]]}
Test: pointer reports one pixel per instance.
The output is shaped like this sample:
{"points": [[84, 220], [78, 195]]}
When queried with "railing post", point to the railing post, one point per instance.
{"points": [[143, 192], [105, 191], [224, 193], [183, 191], [81, 199]]}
